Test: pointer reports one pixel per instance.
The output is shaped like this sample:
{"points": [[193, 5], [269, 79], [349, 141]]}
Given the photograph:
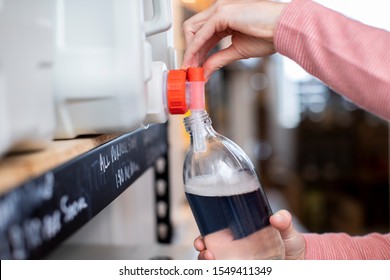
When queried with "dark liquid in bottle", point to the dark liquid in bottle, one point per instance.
{"points": [[243, 214]]}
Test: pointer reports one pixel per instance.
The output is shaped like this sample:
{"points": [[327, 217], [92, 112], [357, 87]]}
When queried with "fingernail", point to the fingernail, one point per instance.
{"points": [[278, 217]]}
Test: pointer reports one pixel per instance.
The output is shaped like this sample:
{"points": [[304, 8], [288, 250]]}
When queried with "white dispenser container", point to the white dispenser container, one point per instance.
{"points": [[70, 67], [162, 43], [26, 59], [102, 64]]}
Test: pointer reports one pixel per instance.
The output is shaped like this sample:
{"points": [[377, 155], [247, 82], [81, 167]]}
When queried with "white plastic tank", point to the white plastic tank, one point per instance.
{"points": [[70, 67], [102, 64], [26, 61], [162, 43]]}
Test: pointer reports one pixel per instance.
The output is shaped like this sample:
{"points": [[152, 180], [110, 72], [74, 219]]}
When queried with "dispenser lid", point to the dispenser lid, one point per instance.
{"points": [[195, 74], [176, 89]]}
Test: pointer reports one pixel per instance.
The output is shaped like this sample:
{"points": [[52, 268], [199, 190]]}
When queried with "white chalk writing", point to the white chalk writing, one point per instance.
{"points": [[17, 242], [32, 229], [51, 225], [104, 162], [118, 150], [125, 173], [35, 231], [71, 210], [44, 190]]}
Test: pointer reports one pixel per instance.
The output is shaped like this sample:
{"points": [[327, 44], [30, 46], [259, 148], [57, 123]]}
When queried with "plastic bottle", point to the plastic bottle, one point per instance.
{"points": [[223, 190]]}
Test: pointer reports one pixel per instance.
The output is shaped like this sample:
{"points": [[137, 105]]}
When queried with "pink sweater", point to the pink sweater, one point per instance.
{"points": [[354, 60], [348, 56]]}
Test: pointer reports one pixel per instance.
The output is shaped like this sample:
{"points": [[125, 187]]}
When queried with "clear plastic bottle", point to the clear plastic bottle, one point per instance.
{"points": [[231, 209]]}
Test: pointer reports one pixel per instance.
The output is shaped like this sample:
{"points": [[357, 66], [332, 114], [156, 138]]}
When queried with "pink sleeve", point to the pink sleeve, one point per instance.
{"points": [[340, 246], [351, 58]]}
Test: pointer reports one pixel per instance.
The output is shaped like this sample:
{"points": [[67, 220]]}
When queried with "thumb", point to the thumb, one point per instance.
{"points": [[294, 242], [282, 221]]}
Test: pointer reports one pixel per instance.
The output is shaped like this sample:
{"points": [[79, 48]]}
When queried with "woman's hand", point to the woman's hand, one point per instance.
{"points": [[294, 243], [251, 24]]}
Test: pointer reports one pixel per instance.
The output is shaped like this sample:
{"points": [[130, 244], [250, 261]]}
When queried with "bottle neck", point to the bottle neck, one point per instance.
{"points": [[198, 125], [197, 117]]}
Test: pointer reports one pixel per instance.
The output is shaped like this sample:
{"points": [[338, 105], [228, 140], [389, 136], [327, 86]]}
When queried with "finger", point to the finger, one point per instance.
{"points": [[192, 25], [207, 47], [199, 244], [197, 59], [199, 44], [201, 256], [220, 59], [206, 255]]}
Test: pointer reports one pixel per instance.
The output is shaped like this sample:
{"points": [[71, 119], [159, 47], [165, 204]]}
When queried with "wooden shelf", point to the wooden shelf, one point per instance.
{"points": [[18, 168], [47, 195]]}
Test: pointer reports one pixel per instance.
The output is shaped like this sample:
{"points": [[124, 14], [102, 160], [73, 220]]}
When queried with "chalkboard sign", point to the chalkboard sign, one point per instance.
{"points": [[38, 215]]}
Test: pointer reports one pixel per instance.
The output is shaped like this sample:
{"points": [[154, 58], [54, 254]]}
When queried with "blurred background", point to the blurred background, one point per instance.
{"points": [[317, 154]]}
